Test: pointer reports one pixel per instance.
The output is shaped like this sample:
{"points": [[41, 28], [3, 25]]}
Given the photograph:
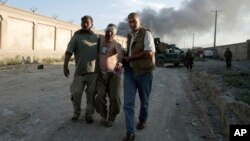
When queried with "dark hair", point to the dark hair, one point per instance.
{"points": [[86, 17], [133, 14], [111, 25]]}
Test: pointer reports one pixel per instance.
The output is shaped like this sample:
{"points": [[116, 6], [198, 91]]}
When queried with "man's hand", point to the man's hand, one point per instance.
{"points": [[66, 62], [66, 70], [127, 58], [118, 66]]}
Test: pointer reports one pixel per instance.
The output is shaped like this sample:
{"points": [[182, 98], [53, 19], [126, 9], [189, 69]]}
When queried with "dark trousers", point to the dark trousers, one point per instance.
{"points": [[189, 65], [228, 63]]}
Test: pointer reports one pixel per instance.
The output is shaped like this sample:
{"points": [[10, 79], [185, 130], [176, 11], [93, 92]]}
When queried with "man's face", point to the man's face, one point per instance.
{"points": [[109, 35], [134, 23], [86, 24]]}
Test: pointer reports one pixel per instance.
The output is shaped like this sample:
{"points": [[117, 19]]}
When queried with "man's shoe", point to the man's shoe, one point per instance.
{"points": [[103, 121], [129, 137], [109, 123], [89, 119], [140, 125], [75, 117]]}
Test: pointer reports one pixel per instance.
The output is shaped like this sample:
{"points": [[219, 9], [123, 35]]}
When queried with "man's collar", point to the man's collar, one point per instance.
{"points": [[110, 41], [87, 31], [135, 32]]}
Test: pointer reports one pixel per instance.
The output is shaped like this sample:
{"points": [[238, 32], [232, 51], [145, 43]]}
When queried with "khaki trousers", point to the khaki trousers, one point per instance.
{"points": [[85, 82], [108, 85]]}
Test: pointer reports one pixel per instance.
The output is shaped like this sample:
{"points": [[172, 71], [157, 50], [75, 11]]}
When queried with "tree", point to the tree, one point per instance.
{"points": [[3, 1], [55, 16], [33, 9], [71, 21]]}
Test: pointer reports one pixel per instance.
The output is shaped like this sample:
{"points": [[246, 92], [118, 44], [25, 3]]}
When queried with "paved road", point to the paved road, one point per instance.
{"points": [[35, 105]]}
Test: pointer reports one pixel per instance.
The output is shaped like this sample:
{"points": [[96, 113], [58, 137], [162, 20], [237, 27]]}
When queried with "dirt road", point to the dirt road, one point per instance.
{"points": [[35, 105]]}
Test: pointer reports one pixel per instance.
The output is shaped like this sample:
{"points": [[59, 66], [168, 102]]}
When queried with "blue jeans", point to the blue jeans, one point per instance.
{"points": [[132, 83]]}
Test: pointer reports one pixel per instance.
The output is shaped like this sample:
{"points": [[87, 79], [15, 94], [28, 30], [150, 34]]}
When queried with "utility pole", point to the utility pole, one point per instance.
{"points": [[215, 28], [193, 42]]}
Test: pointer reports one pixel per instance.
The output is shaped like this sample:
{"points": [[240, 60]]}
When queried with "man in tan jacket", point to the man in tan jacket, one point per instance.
{"points": [[138, 74]]}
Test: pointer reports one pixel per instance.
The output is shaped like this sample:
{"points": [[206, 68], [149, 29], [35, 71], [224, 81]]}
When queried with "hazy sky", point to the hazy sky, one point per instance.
{"points": [[102, 11], [174, 21]]}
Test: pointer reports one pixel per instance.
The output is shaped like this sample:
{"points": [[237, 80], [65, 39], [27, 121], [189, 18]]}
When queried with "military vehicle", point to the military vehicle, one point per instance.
{"points": [[167, 53]]}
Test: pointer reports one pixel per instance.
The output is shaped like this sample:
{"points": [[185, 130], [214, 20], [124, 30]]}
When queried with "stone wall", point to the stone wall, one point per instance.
{"points": [[248, 49], [240, 51], [31, 35]]}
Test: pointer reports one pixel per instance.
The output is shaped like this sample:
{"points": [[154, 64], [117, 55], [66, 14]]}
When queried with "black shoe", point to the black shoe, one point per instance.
{"points": [[129, 137], [89, 119], [140, 125], [103, 121], [109, 123], [75, 117]]}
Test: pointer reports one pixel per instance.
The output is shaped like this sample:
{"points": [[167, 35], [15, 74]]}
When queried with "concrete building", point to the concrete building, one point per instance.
{"points": [[30, 35]]}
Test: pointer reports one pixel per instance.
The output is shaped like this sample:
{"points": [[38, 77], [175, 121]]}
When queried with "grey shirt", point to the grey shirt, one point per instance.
{"points": [[84, 46]]}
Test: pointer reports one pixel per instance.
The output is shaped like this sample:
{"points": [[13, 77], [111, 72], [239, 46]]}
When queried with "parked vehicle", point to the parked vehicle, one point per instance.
{"points": [[167, 53]]}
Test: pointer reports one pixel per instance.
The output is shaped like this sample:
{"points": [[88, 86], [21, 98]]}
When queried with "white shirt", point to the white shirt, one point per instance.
{"points": [[148, 42]]}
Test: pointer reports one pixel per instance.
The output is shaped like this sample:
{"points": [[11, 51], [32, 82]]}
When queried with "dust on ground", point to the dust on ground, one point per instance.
{"points": [[35, 105]]}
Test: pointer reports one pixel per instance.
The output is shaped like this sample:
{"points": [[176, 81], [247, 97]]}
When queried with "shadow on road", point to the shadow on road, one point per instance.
{"points": [[172, 66]]}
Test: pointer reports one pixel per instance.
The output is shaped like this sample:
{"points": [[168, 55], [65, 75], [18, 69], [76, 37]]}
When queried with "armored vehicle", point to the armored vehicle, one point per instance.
{"points": [[167, 53]]}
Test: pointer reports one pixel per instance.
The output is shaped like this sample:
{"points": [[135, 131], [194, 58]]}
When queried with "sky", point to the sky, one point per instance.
{"points": [[180, 22]]}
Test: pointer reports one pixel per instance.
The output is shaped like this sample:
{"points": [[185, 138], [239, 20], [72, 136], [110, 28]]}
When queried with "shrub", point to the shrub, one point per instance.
{"points": [[244, 97]]}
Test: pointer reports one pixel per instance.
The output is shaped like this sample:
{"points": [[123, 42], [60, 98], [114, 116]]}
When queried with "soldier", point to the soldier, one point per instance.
{"points": [[109, 81], [228, 57], [189, 60], [84, 46]]}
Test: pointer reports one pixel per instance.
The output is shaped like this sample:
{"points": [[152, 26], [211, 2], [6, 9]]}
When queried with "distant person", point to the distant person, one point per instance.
{"points": [[228, 57], [84, 46], [138, 74], [109, 79], [189, 60]]}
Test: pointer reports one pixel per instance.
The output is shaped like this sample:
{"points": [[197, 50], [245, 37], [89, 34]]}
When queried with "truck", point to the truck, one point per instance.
{"points": [[167, 53]]}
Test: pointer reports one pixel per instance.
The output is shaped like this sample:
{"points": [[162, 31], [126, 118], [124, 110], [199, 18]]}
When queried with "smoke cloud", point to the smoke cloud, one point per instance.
{"points": [[194, 16]]}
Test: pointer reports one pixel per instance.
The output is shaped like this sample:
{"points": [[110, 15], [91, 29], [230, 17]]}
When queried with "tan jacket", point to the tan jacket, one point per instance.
{"points": [[142, 65]]}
